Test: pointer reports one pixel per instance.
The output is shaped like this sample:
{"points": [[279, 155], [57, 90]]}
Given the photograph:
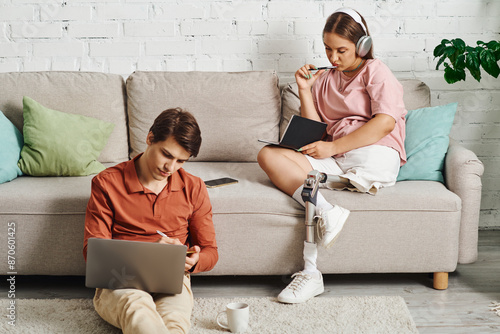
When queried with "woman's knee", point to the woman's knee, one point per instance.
{"points": [[265, 155]]}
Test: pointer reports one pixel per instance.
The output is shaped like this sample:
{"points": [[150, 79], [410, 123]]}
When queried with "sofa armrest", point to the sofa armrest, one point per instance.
{"points": [[462, 174]]}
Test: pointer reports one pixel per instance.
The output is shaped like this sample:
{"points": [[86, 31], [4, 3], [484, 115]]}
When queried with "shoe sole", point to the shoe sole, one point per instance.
{"points": [[298, 301], [342, 220]]}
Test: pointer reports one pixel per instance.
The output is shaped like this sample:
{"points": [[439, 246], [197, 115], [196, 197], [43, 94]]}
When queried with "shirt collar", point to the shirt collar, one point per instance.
{"points": [[131, 179], [176, 181]]}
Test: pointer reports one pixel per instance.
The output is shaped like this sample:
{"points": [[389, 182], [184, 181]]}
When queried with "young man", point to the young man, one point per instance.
{"points": [[152, 192]]}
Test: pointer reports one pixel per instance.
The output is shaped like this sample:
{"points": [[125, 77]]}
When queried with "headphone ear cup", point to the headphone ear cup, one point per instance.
{"points": [[363, 46]]}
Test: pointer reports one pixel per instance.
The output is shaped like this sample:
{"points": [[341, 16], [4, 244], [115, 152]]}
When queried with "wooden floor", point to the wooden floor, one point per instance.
{"points": [[463, 308]]}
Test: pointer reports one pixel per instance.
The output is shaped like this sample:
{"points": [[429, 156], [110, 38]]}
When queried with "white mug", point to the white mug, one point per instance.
{"points": [[237, 317]]}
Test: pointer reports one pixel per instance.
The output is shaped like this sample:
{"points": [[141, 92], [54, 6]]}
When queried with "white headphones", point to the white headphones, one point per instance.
{"points": [[364, 43]]}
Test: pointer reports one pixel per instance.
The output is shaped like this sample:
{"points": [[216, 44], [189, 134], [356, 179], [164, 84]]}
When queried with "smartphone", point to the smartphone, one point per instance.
{"points": [[223, 181]]}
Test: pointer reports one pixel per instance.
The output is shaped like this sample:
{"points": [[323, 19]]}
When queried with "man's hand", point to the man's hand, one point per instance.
{"points": [[170, 241], [191, 259]]}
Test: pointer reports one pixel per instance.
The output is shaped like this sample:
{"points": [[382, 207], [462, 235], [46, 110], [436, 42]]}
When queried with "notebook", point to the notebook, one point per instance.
{"points": [[148, 266], [300, 132]]}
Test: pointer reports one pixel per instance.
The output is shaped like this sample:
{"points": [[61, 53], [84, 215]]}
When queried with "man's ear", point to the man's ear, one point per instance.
{"points": [[150, 138]]}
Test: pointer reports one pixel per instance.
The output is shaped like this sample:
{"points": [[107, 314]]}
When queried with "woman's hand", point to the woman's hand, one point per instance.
{"points": [[305, 78], [319, 150]]}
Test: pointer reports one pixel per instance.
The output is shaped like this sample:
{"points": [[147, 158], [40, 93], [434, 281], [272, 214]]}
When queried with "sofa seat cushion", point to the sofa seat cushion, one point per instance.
{"points": [[415, 220], [401, 229], [46, 195], [254, 193]]}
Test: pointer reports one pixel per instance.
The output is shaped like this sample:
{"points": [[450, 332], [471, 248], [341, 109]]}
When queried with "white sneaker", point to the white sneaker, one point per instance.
{"points": [[330, 225], [302, 288]]}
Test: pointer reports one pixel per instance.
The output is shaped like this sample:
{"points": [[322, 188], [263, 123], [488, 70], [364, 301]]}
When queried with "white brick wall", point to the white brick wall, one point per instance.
{"points": [[120, 36]]}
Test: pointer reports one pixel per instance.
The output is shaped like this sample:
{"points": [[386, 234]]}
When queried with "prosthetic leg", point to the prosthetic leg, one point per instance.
{"points": [[308, 283], [309, 195]]}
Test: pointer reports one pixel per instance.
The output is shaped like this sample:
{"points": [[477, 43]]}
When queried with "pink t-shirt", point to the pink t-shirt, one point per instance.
{"points": [[347, 103]]}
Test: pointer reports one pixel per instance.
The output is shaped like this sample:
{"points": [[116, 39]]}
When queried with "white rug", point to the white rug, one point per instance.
{"points": [[319, 315]]}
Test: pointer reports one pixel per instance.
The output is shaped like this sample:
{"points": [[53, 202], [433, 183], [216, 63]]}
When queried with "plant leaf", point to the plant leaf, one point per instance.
{"points": [[489, 63], [449, 50], [459, 45], [441, 60], [460, 62], [452, 76], [461, 74], [472, 63], [469, 49], [493, 45], [439, 50]]}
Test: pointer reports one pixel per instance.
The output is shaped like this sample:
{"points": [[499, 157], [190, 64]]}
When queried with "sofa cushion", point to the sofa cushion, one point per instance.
{"points": [[12, 142], [233, 110], [61, 144], [416, 94], [53, 194], [56, 195], [426, 142], [97, 95], [254, 193], [290, 105]]}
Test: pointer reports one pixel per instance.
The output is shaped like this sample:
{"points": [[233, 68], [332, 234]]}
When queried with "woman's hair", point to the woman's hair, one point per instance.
{"points": [[346, 27], [181, 125]]}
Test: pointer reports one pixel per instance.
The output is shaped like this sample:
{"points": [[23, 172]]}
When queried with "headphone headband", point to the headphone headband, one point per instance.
{"points": [[364, 43], [355, 16]]}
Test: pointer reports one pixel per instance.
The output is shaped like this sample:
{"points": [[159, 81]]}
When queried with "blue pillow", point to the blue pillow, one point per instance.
{"points": [[426, 142], [10, 149]]}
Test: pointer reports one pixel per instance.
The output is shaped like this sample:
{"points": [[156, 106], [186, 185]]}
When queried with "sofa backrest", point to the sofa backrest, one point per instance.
{"points": [[233, 110], [416, 95], [97, 95]]}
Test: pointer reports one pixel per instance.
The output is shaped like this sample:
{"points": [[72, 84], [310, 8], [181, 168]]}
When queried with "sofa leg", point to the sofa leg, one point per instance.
{"points": [[440, 281]]}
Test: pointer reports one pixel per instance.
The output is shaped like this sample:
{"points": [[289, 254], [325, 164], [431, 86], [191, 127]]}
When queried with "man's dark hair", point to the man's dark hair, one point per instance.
{"points": [[180, 124]]}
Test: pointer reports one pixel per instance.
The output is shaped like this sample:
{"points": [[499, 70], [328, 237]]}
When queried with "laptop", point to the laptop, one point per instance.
{"points": [[148, 266], [300, 132]]}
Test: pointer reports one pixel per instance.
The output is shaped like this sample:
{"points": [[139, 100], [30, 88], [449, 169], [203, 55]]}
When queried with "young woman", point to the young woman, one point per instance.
{"points": [[362, 103]]}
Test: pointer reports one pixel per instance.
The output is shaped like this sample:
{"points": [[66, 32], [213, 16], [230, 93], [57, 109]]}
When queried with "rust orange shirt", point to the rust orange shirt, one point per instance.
{"points": [[120, 207]]}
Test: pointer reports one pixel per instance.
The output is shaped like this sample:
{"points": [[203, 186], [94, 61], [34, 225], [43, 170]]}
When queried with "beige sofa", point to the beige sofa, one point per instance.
{"points": [[415, 226]]}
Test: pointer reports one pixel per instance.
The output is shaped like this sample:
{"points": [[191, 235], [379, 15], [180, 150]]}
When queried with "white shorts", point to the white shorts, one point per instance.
{"points": [[367, 168]]}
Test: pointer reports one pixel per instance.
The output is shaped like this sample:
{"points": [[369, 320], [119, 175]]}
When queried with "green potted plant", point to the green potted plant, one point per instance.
{"points": [[457, 56]]}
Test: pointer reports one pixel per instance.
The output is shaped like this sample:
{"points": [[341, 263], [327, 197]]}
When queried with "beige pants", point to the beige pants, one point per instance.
{"points": [[136, 311]]}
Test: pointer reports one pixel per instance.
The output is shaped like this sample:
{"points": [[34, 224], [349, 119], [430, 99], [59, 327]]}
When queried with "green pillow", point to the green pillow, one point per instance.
{"points": [[11, 143], [61, 144], [426, 142]]}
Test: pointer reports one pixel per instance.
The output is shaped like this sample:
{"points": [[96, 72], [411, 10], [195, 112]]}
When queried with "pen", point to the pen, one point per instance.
{"points": [[322, 68], [161, 233], [164, 235]]}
